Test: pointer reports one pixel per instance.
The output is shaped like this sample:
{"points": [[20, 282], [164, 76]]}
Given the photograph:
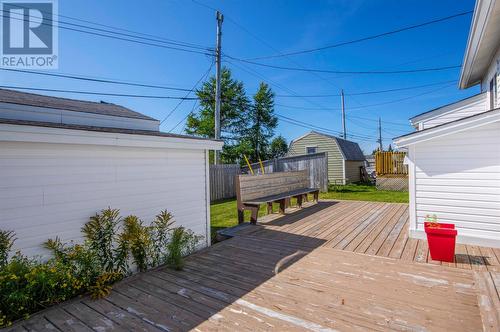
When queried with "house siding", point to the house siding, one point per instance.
{"points": [[352, 173], [474, 105], [457, 177], [49, 190], [323, 144], [493, 69]]}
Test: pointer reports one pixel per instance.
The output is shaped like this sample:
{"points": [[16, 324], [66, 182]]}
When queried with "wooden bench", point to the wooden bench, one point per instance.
{"points": [[254, 190]]}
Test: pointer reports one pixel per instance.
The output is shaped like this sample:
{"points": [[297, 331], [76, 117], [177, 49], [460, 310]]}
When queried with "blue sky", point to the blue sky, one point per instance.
{"points": [[248, 30]]}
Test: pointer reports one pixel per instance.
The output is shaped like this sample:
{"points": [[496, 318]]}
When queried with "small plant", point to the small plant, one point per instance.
{"points": [[183, 242], [160, 235], [6, 242], [102, 286], [100, 234], [432, 220], [137, 239]]}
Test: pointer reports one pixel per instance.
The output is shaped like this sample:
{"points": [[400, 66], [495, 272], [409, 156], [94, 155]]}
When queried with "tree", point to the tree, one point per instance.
{"points": [[278, 148], [235, 107], [262, 122]]}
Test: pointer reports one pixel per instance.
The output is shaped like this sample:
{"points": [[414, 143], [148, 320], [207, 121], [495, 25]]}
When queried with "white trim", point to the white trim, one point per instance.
{"points": [[482, 13], [343, 172], [463, 239], [449, 128], [412, 187], [26, 133], [310, 146], [207, 196]]}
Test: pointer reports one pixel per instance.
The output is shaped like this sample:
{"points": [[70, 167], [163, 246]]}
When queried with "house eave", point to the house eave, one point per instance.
{"points": [[482, 42], [448, 128]]}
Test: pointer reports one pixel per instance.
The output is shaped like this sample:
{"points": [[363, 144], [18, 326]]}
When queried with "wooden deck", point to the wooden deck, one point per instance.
{"points": [[332, 267]]}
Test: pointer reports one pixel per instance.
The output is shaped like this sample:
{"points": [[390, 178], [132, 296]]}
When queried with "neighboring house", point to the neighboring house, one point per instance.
{"points": [[344, 157], [454, 156], [63, 160]]}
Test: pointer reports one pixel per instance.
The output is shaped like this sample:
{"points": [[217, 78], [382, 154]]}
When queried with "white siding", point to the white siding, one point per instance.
{"points": [[474, 105], [49, 190], [457, 177]]}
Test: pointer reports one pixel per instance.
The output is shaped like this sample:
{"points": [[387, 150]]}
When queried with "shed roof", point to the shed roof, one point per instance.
{"points": [[350, 150], [32, 99]]}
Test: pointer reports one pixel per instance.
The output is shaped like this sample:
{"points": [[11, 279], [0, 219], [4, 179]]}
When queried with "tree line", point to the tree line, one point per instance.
{"points": [[247, 124]]}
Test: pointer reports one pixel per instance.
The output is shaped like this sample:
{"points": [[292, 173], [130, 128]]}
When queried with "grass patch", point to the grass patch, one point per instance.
{"points": [[223, 213], [364, 192]]}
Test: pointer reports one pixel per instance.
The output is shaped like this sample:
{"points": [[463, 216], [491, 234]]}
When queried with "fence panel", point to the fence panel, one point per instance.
{"points": [[222, 181], [316, 163], [390, 163]]}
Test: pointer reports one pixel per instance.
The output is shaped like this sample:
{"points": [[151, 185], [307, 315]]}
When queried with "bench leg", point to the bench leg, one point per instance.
{"points": [[269, 208], [316, 196], [254, 215], [282, 206], [306, 198], [241, 216], [299, 201]]}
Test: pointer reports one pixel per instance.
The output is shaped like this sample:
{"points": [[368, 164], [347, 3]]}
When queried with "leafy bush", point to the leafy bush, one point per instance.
{"points": [[183, 242], [28, 285], [100, 234], [6, 242]]}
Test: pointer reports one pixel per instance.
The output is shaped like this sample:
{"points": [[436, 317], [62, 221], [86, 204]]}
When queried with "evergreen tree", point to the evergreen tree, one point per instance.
{"points": [[278, 148], [235, 107], [262, 122]]}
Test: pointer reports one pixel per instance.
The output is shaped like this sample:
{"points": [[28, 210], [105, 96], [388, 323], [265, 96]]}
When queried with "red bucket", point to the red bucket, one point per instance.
{"points": [[441, 241]]}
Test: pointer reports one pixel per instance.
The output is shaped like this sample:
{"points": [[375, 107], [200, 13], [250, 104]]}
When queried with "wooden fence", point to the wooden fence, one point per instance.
{"points": [[390, 163], [316, 163], [222, 181]]}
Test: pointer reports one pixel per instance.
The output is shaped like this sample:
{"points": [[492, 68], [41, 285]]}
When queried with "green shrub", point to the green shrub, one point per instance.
{"points": [[136, 238], [183, 242], [100, 234], [28, 285], [6, 242]]}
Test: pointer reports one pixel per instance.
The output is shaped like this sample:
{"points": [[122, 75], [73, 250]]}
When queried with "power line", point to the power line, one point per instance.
{"points": [[184, 118], [387, 33], [366, 72], [369, 92], [187, 94], [82, 78], [138, 41], [95, 93], [129, 33]]}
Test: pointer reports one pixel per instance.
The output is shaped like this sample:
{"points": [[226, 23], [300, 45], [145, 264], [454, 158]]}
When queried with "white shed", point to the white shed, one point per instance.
{"points": [[454, 155], [63, 160]]}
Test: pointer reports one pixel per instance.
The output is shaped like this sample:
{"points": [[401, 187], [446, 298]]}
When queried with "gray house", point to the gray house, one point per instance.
{"points": [[344, 157]]}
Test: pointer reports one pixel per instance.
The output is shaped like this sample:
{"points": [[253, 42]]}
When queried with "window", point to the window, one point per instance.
{"points": [[310, 149], [493, 92]]}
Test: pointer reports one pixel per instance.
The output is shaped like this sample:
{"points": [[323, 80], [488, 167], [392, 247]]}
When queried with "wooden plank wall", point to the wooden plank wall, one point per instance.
{"points": [[222, 181], [316, 163], [390, 163]]}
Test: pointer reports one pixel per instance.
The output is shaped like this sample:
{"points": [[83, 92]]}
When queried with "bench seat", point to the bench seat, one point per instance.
{"points": [[274, 198]]}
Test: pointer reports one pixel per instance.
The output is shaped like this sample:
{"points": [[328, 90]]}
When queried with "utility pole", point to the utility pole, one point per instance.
{"points": [[220, 19], [343, 113], [380, 135]]}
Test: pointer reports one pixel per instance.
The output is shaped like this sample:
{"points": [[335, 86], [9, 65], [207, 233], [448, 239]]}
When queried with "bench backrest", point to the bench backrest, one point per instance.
{"points": [[249, 187]]}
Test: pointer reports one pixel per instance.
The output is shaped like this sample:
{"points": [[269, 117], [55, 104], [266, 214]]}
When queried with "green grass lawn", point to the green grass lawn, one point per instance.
{"points": [[223, 213]]}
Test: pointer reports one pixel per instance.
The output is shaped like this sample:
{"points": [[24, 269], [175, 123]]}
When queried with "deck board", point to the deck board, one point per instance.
{"points": [[335, 266]]}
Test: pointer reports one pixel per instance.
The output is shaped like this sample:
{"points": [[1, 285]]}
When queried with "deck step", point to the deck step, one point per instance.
{"points": [[488, 298]]}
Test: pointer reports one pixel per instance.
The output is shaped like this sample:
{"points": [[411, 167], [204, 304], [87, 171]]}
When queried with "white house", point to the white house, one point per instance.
{"points": [[454, 154], [63, 160]]}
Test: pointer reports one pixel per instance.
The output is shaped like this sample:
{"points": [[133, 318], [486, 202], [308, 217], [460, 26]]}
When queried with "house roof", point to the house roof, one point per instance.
{"points": [[448, 128], [482, 43], [350, 150], [32, 99], [445, 108]]}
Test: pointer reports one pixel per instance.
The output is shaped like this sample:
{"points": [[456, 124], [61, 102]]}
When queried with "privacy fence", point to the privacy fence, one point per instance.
{"points": [[222, 181], [390, 163]]}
